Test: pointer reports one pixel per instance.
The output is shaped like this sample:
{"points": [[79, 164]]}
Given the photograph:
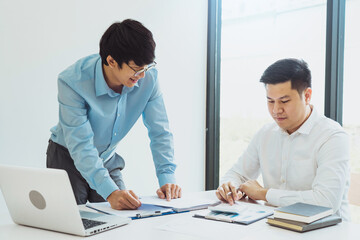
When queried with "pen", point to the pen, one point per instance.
{"points": [[148, 214], [243, 195]]}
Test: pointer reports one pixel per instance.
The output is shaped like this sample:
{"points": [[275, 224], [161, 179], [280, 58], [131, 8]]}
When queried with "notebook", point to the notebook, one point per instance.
{"points": [[43, 198], [304, 227], [302, 212]]}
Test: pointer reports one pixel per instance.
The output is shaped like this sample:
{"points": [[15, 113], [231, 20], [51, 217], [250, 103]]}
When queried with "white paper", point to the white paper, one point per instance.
{"points": [[179, 203], [239, 212], [225, 207], [144, 209]]}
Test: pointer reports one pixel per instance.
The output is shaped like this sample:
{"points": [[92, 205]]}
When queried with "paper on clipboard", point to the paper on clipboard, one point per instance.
{"points": [[145, 210], [238, 213], [181, 204]]}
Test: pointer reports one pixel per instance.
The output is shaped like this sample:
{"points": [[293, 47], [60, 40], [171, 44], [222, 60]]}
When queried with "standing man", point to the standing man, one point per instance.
{"points": [[100, 98], [303, 156]]}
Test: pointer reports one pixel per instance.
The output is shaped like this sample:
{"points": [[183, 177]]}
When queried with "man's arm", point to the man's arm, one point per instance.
{"points": [[247, 167], [161, 143], [78, 136], [79, 141]]}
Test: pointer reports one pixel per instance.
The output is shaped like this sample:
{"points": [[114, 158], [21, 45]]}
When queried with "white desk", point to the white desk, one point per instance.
{"points": [[181, 226]]}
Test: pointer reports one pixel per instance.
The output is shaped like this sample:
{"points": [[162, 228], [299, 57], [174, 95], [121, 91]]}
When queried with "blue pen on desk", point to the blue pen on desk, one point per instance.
{"points": [[148, 214]]}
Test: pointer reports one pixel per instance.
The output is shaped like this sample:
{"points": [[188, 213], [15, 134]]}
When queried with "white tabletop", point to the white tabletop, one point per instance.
{"points": [[181, 226]]}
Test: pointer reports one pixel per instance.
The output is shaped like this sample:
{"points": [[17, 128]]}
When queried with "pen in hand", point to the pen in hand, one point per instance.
{"points": [[233, 197], [227, 192]]}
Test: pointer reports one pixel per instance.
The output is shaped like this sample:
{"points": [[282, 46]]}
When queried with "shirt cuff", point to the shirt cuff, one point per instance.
{"points": [[273, 196], [166, 178], [106, 188]]}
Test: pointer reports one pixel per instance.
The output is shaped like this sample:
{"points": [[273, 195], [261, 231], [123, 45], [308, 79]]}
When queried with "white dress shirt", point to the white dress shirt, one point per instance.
{"points": [[310, 165]]}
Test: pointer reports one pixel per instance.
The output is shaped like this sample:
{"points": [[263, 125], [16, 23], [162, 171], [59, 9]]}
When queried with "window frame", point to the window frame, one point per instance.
{"points": [[213, 95]]}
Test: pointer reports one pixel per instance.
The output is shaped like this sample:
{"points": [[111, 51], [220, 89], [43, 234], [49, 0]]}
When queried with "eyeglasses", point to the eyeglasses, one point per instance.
{"points": [[145, 69]]}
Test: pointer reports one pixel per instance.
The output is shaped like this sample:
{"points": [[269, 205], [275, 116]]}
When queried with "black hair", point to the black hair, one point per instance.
{"points": [[289, 69], [128, 40]]}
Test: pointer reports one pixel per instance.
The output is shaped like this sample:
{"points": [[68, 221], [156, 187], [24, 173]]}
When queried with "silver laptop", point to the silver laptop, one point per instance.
{"points": [[43, 198]]}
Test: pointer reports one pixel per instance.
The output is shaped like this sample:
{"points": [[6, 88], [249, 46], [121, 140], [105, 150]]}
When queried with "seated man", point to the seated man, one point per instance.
{"points": [[303, 156]]}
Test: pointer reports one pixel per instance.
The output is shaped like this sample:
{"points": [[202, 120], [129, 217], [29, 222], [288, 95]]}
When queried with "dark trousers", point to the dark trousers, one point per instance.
{"points": [[59, 157]]}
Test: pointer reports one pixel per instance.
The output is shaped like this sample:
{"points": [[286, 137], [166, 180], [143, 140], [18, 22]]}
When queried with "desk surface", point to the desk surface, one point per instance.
{"points": [[182, 226]]}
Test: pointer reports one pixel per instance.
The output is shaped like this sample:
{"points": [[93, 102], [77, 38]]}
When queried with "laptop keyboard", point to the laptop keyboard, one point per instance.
{"points": [[91, 223]]}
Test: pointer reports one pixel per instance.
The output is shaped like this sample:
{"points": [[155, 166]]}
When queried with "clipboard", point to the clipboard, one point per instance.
{"points": [[238, 213], [184, 204], [144, 211]]}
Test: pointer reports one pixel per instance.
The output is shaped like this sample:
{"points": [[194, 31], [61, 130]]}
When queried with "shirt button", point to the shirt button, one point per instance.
{"points": [[282, 180], [114, 134], [118, 115]]}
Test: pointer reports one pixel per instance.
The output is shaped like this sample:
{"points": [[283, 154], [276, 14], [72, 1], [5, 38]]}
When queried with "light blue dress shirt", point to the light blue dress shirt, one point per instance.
{"points": [[93, 119]]}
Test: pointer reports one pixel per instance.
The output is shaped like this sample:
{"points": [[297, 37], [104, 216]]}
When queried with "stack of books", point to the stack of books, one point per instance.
{"points": [[302, 217]]}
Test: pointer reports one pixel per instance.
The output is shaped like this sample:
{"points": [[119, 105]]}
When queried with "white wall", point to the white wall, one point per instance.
{"points": [[40, 38]]}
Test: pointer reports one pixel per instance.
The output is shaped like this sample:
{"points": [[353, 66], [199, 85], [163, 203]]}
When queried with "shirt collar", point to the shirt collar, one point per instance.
{"points": [[101, 86], [309, 123]]}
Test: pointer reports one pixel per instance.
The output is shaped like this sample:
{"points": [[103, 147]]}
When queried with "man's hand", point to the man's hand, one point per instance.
{"points": [[227, 192], [254, 190], [123, 199], [169, 191]]}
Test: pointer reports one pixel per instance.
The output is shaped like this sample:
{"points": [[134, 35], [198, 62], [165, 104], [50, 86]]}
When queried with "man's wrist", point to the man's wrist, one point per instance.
{"points": [[107, 199], [264, 192]]}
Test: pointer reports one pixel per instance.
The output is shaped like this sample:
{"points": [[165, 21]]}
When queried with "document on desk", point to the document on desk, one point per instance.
{"points": [[145, 210], [242, 213], [183, 204]]}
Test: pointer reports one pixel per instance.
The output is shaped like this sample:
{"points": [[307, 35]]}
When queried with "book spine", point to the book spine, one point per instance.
{"points": [[320, 225]]}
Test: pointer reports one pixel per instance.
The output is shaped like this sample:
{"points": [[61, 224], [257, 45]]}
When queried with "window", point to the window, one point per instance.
{"points": [[351, 114]]}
